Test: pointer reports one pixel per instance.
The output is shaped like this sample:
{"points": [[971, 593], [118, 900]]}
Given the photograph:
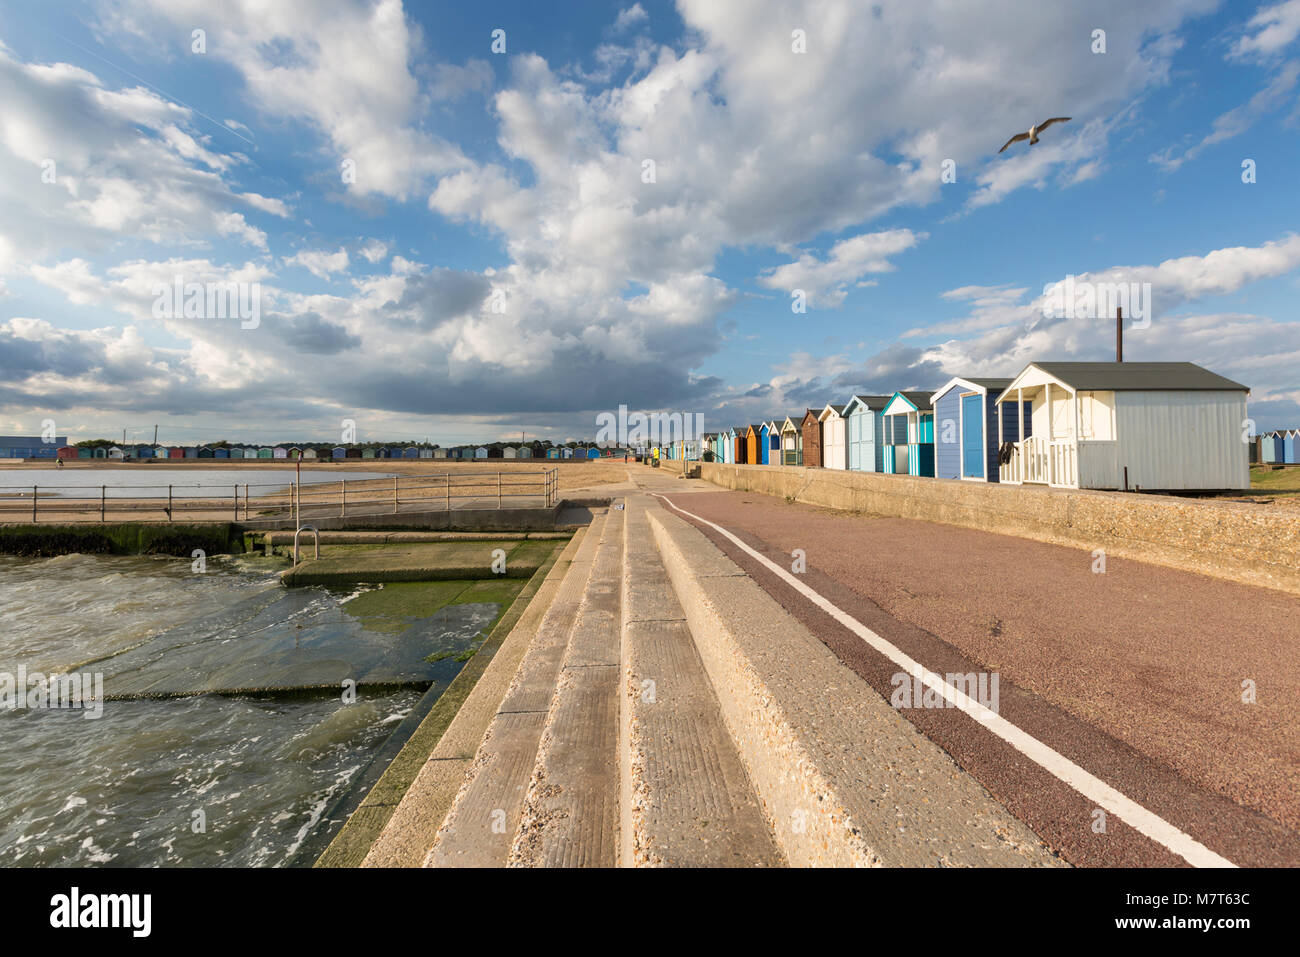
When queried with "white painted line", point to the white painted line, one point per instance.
{"points": [[1055, 763]]}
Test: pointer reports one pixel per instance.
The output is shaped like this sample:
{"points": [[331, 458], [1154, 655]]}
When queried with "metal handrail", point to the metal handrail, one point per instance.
{"points": [[496, 489], [315, 538]]}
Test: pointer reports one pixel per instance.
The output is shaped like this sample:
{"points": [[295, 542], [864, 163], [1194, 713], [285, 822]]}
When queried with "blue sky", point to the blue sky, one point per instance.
{"points": [[499, 263]]}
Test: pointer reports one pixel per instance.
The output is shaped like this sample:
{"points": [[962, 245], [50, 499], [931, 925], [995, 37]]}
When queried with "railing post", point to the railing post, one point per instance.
{"points": [[498, 490], [394, 494], [446, 477], [344, 511], [103, 495], [35, 492], [236, 501]]}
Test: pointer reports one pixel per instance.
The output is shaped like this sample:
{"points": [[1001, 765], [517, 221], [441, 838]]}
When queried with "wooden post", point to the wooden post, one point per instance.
{"points": [[245, 500], [169, 503], [498, 490], [394, 494], [343, 513], [446, 477], [103, 494], [35, 492], [236, 501]]}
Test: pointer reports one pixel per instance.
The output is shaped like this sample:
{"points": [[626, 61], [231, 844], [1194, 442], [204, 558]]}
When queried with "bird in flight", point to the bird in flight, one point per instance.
{"points": [[1032, 135]]}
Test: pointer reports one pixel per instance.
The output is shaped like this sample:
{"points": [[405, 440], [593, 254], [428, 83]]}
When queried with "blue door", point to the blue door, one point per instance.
{"points": [[972, 437]]}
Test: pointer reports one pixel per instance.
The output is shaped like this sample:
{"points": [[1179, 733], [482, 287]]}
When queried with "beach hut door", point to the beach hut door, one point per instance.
{"points": [[972, 436]]}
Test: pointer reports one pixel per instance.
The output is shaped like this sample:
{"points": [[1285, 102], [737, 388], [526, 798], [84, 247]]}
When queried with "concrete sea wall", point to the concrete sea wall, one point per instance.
{"points": [[1244, 542]]}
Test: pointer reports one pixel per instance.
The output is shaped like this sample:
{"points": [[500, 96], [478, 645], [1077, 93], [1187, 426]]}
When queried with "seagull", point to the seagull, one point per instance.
{"points": [[1032, 135]]}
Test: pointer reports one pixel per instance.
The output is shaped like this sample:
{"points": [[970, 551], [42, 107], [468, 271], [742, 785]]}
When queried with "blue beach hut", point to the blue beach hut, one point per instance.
{"points": [[966, 436], [909, 434], [866, 432]]}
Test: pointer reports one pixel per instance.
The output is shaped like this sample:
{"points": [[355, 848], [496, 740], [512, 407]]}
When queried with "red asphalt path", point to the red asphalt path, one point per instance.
{"points": [[1134, 675]]}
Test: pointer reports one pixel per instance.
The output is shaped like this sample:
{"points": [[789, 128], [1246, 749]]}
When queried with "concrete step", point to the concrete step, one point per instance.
{"points": [[484, 817], [688, 800], [843, 777], [571, 811]]}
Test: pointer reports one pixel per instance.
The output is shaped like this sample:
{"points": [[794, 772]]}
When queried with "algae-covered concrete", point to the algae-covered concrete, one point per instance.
{"points": [[490, 558], [416, 758], [1243, 542]]}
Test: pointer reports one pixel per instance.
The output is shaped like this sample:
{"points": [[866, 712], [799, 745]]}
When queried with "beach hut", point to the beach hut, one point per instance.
{"points": [[480, 453], [324, 453], [411, 452], [552, 453], [144, 452], [909, 434], [835, 445], [370, 453], [65, 452], [116, 453], [293, 453], [966, 434], [593, 453], [525, 452], [738, 453], [1153, 426], [309, 453], [791, 442], [279, 453], [266, 453], [85, 453], [101, 452], [338, 452], [496, 453], [221, 453], [162, 452], [353, 454], [426, 453], [439, 453], [191, 452], [754, 443], [774, 442], [250, 453], [510, 452], [1291, 447], [865, 432], [176, 453], [235, 453], [206, 453], [811, 427]]}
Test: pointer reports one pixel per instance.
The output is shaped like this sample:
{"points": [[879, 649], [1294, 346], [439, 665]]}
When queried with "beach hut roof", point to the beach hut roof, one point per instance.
{"points": [[919, 401], [993, 387], [872, 403], [832, 409], [1135, 377]]}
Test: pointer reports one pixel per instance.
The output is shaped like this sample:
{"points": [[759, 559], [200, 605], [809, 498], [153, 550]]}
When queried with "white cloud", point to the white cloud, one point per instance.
{"points": [[826, 282], [320, 263], [1275, 28]]}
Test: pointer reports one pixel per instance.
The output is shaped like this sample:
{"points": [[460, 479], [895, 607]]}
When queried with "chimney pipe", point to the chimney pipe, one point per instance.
{"points": [[1119, 333]]}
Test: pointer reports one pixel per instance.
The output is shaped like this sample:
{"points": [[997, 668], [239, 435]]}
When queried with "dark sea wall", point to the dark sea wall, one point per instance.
{"points": [[126, 538]]}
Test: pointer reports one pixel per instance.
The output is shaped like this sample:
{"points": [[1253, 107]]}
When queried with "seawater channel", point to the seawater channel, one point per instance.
{"points": [[224, 737]]}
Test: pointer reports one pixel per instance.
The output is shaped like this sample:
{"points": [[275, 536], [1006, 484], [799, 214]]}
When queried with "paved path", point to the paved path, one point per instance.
{"points": [[1134, 675]]}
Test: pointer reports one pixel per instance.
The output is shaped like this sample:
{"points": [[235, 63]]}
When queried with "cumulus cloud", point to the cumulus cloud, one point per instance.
{"points": [[827, 281]]}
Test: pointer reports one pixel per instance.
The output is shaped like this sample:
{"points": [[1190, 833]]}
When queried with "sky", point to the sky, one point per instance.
{"points": [[471, 222]]}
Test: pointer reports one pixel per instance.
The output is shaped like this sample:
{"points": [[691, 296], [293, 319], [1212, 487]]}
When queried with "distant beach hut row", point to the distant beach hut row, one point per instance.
{"points": [[1140, 425], [1281, 447]]}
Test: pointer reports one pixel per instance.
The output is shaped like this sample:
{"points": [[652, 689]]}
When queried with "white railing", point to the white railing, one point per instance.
{"points": [[1040, 461]]}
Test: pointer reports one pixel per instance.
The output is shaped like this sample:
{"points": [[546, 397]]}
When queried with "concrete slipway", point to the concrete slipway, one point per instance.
{"points": [[653, 706]]}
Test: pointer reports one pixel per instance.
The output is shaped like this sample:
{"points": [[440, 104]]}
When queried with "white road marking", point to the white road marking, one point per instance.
{"points": [[1055, 763]]}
